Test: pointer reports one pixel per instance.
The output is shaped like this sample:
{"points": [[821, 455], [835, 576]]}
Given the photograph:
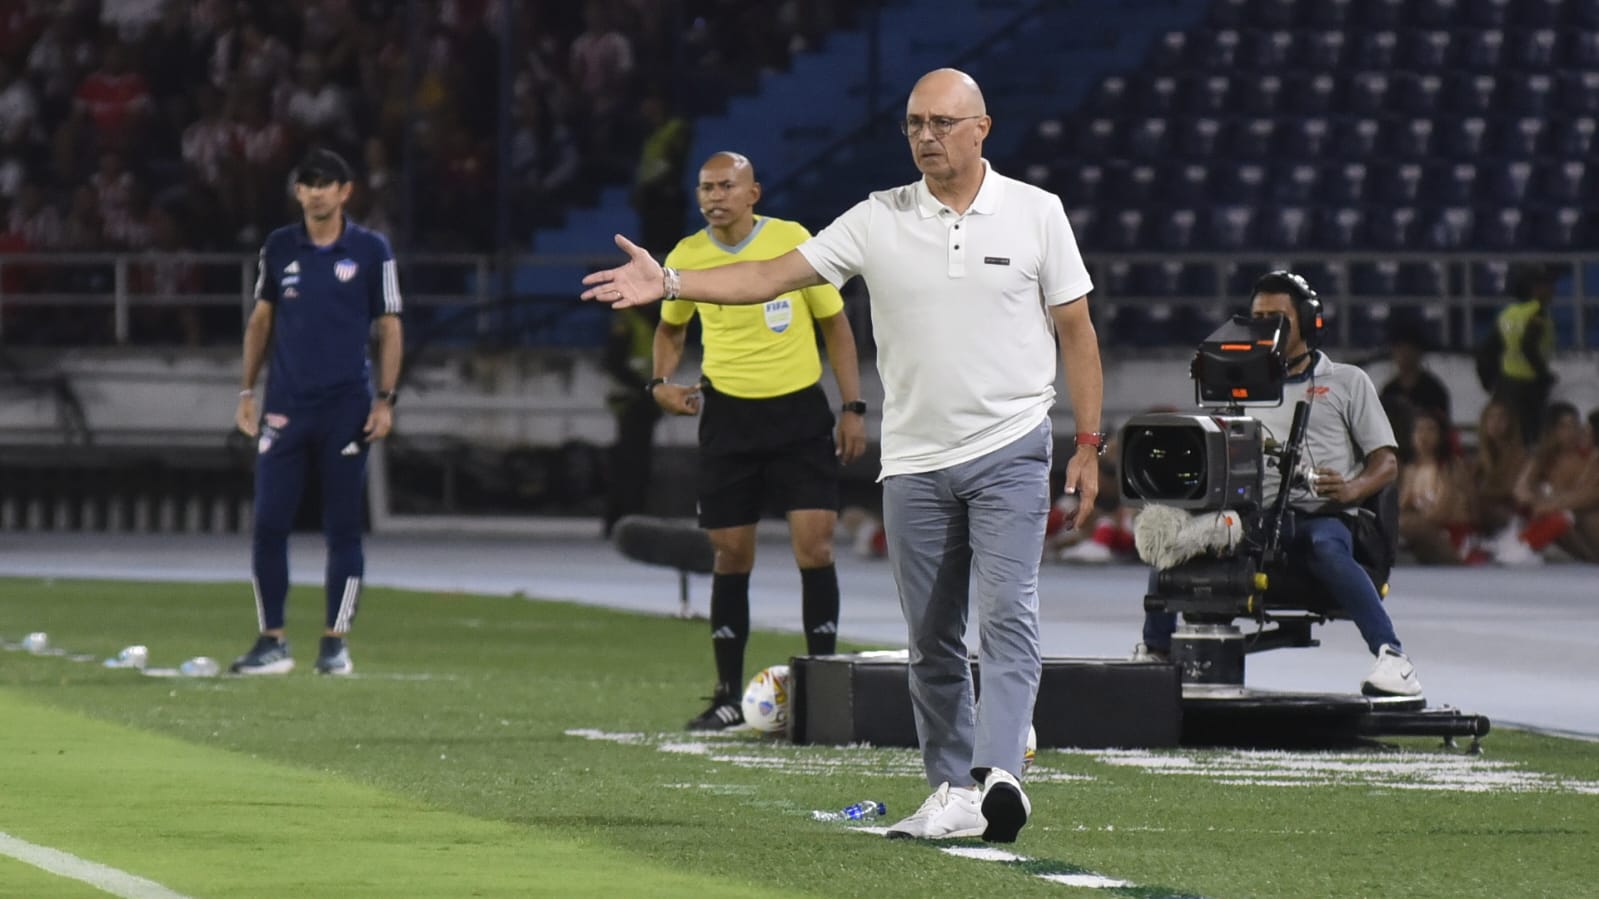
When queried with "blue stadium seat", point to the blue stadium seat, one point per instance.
{"points": [[1490, 279], [1585, 13], [1523, 138], [1329, 279], [1148, 139], [1158, 96], [1579, 92], [1501, 229], [1539, 13], [1276, 14], [1084, 184], [1309, 138], [1345, 184], [1400, 184], [1428, 50], [1270, 51], [1487, 13], [1208, 96], [1231, 227], [1584, 50], [1509, 182], [1084, 221], [1199, 280], [1483, 50], [1471, 94], [1241, 276], [1533, 49], [1324, 49], [1420, 94], [1218, 51], [1383, 13], [1187, 184], [1254, 139], [1170, 51], [1261, 96], [1575, 137], [1340, 228], [1463, 138], [1369, 319], [1329, 13], [1286, 228], [1565, 182], [1135, 185], [1359, 138], [1376, 50], [1229, 13], [1367, 94], [1295, 183], [1393, 228], [1110, 96], [1450, 227], [1124, 232], [1310, 95], [1435, 13], [1531, 93], [1176, 230], [1450, 185], [1239, 183], [1558, 228], [1198, 138], [1374, 279], [1116, 279], [1414, 139], [1098, 139], [1151, 279], [1424, 279]]}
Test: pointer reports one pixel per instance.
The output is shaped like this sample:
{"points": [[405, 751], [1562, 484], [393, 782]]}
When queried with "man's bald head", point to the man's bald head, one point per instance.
{"points": [[950, 92], [727, 192], [727, 162]]}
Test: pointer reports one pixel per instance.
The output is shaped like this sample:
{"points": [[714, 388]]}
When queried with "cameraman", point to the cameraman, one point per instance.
{"points": [[1350, 447]]}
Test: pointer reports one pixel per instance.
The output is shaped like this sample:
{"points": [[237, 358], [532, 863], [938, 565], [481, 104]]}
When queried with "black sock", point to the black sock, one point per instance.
{"points": [[730, 630], [819, 609]]}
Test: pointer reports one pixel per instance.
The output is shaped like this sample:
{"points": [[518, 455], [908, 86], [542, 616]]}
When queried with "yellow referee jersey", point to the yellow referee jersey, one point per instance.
{"points": [[762, 350]]}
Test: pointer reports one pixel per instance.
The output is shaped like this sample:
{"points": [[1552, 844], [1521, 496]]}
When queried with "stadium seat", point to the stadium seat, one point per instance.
{"points": [[1579, 93], [1268, 51], [1325, 49], [1219, 52], [1254, 139], [1374, 279], [1471, 94], [1135, 185], [1311, 95], [1240, 183], [1084, 221], [1500, 229], [1231, 227], [1376, 50], [1523, 138], [1159, 96], [1531, 93], [1262, 96], [1176, 230], [1429, 50], [1084, 184], [1187, 185], [1450, 185], [1435, 13], [1451, 227], [1585, 13], [1148, 139], [1359, 138], [1463, 138], [1484, 50], [1110, 96], [1421, 94], [1393, 228], [1584, 53], [1309, 138], [1116, 279], [1575, 137], [1383, 13], [1490, 279], [1331, 279], [1295, 183], [1340, 228], [1125, 233], [1199, 280], [1369, 319], [1274, 14], [1197, 138], [1509, 182], [1367, 94], [1170, 52], [1346, 184], [1229, 13], [1241, 277], [1539, 13], [1565, 182], [1414, 139], [1151, 279], [1400, 184], [1487, 13], [1533, 49], [1558, 228], [1098, 140], [1286, 228], [1424, 279], [1208, 96], [1329, 13]]}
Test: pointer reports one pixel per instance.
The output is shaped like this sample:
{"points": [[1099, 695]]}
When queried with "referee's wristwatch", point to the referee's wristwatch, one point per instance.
{"points": [[388, 396], [651, 384], [856, 406], [1095, 439]]}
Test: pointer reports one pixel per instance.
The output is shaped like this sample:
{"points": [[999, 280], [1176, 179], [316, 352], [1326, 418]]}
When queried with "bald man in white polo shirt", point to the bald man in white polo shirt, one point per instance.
{"points": [[974, 279]]}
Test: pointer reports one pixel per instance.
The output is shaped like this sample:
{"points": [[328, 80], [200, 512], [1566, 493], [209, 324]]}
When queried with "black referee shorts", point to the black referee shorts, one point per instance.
{"points": [[767, 455]]}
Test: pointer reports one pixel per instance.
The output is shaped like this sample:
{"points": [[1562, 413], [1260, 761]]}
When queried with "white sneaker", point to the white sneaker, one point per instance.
{"points": [[1088, 552], [1005, 806], [949, 813], [1393, 675]]}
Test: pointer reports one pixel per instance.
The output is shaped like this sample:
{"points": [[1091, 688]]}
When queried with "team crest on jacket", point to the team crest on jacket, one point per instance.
{"points": [[779, 315], [345, 269]]}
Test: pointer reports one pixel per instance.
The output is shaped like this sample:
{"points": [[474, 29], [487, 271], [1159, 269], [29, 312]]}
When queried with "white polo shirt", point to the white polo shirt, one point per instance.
{"points": [[965, 346]]}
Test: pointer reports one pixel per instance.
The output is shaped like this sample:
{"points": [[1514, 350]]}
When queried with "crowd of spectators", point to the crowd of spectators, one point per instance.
{"points": [[133, 125]]}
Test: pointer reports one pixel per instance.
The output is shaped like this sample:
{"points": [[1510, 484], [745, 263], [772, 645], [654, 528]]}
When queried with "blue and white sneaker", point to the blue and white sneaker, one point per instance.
{"points": [[269, 655], [334, 657]]}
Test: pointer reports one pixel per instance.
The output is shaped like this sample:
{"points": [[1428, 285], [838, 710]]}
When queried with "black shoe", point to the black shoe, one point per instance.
{"points": [[725, 712], [333, 657], [269, 655]]}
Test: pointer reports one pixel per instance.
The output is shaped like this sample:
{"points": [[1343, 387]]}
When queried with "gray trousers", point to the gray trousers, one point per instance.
{"points": [[981, 520]]}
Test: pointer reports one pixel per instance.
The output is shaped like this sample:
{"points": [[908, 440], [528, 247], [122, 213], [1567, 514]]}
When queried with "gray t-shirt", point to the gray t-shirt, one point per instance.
{"points": [[1347, 423]]}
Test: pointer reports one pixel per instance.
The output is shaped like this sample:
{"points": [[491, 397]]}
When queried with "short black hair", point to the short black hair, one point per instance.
{"points": [[322, 165]]}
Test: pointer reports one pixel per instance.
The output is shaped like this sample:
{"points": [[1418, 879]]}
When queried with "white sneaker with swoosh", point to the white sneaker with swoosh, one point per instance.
{"points": [[1392, 675]]}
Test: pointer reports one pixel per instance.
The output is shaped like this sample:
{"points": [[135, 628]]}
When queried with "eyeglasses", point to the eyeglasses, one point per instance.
{"points": [[940, 125]]}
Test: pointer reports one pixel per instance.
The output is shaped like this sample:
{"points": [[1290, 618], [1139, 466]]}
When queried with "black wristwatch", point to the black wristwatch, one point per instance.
{"points": [[856, 406], [651, 384], [388, 396]]}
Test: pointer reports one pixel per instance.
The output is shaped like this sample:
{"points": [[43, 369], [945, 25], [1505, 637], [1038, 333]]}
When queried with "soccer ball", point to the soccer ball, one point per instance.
{"points": [[766, 700], [1032, 749]]}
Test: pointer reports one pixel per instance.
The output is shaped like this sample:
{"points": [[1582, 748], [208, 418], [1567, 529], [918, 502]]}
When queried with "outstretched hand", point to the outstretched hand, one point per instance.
{"points": [[635, 284]]}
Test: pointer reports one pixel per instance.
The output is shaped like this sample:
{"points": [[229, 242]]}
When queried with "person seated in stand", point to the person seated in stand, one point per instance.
{"points": [[1495, 467], [1559, 488], [1435, 519], [1351, 449]]}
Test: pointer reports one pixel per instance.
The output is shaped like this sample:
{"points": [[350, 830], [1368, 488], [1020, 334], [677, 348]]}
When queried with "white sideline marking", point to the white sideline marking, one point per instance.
{"points": [[1091, 881], [65, 864], [984, 854]]}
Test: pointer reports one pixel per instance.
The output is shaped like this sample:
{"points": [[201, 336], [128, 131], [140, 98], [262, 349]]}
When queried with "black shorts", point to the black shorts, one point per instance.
{"points": [[768, 455]]}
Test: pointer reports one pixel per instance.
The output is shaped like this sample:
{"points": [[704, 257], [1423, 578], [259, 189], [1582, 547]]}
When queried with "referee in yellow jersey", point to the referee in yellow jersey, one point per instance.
{"points": [[767, 429]]}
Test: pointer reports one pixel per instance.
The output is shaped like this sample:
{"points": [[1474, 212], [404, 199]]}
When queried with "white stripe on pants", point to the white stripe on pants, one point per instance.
{"points": [[983, 518]]}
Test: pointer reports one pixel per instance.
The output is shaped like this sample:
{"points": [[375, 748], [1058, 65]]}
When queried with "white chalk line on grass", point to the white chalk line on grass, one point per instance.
{"points": [[101, 877]]}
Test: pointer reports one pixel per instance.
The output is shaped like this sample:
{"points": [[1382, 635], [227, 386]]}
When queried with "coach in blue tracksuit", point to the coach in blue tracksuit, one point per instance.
{"points": [[322, 285]]}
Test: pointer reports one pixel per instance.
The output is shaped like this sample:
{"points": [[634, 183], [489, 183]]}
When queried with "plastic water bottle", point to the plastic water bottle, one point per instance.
{"points": [[200, 666], [859, 813]]}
